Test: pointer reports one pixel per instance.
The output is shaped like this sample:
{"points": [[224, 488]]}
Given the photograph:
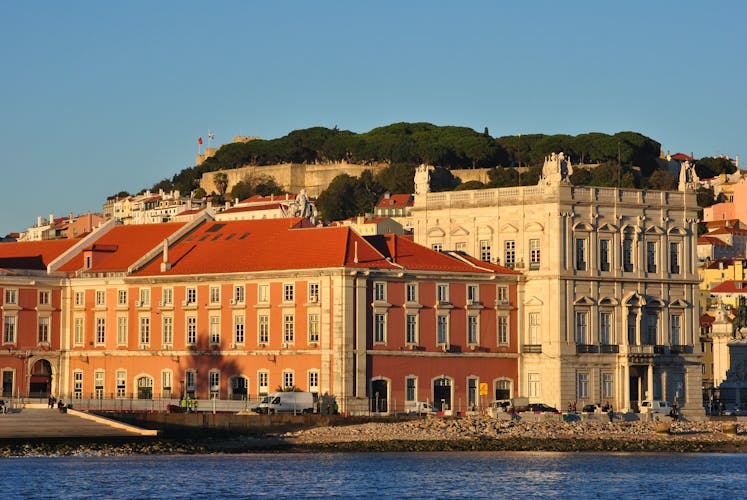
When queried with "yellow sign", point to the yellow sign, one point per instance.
{"points": [[483, 389]]}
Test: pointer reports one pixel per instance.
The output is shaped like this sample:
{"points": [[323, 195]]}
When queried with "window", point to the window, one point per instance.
{"points": [[674, 258], [263, 293], [651, 326], [43, 330], [98, 384], [168, 330], [100, 298], [215, 295], [238, 294], [263, 329], [411, 329], [314, 381], [583, 386], [503, 389], [122, 297], [410, 391], [533, 385], [77, 385], [215, 329], [632, 329], [144, 330], [121, 378], [9, 329], [289, 323], [580, 254], [472, 392], [191, 295], [288, 292], [534, 328], [473, 294], [122, 330], [288, 379], [651, 256], [314, 292], [581, 328], [11, 296], [191, 330], [674, 322], [503, 329], [190, 382], [485, 250], [166, 383], [605, 328], [460, 246], [43, 297], [79, 299], [214, 381], [78, 331], [379, 328], [473, 336], [100, 330], [313, 322], [534, 254], [607, 385], [604, 255], [238, 329], [168, 297], [442, 293], [145, 296], [380, 291], [502, 294], [437, 247], [509, 253], [263, 383], [628, 253], [442, 330], [411, 292]]}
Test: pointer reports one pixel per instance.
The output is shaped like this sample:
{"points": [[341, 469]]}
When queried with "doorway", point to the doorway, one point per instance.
{"points": [[40, 379], [379, 396], [442, 394]]}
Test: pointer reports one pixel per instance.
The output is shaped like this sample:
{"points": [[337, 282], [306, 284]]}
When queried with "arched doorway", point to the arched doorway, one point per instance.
{"points": [[145, 387], [442, 394], [40, 379], [379, 395], [239, 388]]}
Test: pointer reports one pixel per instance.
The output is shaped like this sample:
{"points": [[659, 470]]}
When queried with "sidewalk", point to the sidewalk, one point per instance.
{"points": [[31, 423]]}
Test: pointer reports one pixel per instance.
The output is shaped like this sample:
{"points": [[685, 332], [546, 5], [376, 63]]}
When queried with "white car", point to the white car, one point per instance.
{"points": [[661, 407]]}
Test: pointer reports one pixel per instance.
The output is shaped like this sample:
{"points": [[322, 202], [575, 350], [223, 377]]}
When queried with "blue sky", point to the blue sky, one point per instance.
{"points": [[98, 97]]}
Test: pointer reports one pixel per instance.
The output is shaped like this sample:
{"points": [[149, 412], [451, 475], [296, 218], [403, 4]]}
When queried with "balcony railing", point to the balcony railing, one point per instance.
{"points": [[640, 349], [609, 348], [681, 349], [531, 348], [586, 348]]}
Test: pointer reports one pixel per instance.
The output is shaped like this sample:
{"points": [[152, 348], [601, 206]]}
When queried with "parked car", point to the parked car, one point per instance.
{"points": [[419, 407], [656, 406], [542, 408]]}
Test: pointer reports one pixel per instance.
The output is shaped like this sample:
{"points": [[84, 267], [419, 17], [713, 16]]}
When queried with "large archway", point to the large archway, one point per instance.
{"points": [[40, 379]]}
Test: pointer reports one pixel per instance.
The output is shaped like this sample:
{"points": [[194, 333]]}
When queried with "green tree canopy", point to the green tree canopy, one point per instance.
{"points": [[712, 167]]}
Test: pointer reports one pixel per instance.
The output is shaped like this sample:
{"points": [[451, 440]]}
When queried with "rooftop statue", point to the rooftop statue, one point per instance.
{"points": [[556, 169], [688, 178], [422, 179]]}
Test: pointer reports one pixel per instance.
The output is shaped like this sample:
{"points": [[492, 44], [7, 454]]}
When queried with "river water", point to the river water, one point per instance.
{"points": [[382, 475]]}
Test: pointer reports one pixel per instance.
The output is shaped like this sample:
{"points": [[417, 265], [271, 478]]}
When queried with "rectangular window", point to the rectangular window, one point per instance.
{"points": [[583, 386], [78, 385], [472, 392], [191, 330], [473, 294], [442, 330], [288, 380], [263, 383], [436, 247], [651, 256], [100, 298], [534, 328], [607, 388], [122, 330], [674, 321], [168, 330], [503, 329], [313, 293], [509, 253], [460, 246], [314, 381], [442, 293], [43, 297], [533, 385], [215, 329], [605, 328], [121, 378], [502, 295], [534, 254], [214, 383], [604, 255], [79, 299], [167, 298], [485, 250], [263, 329], [166, 383], [43, 330], [144, 331], [313, 322], [238, 329], [215, 295], [652, 321], [380, 291], [411, 329], [289, 324], [289, 292], [144, 296], [580, 254], [410, 392], [472, 330], [263, 293], [191, 295], [379, 328], [100, 330], [238, 294], [674, 258], [411, 292], [122, 297], [190, 381], [78, 331], [628, 254], [98, 384], [581, 328], [11, 296]]}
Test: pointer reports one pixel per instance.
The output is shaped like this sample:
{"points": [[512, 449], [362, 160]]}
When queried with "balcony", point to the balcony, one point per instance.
{"points": [[640, 349], [586, 348], [531, 348], [681, 349], [609, 348]]}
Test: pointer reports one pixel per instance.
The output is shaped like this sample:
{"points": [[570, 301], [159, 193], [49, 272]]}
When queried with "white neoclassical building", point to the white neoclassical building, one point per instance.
{"points": [[608, 311]]}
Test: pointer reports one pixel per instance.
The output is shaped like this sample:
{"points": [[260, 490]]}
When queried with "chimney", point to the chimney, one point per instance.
{"points": [[51, 219], [38, 221], [165, 264], [355, 255]]}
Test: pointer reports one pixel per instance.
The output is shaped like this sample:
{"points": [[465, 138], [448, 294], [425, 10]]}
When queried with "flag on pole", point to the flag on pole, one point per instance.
{"points": [[211, 136], [199, 140]]}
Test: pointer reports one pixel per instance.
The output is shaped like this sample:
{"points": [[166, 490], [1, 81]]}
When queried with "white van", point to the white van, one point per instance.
{"points": [[287, 402], [661, 407], [419, 407]]}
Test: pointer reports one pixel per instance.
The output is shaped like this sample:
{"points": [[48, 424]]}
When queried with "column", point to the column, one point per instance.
{"points": [[626, 386], [650, 382]]}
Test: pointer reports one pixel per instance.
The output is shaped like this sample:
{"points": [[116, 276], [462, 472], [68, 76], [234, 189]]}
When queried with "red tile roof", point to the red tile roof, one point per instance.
{"points": [[266, 206], [34, 255], [682, 157], [731, 286], [723, 222], [396, 201], [709, 240], [726, 230]]}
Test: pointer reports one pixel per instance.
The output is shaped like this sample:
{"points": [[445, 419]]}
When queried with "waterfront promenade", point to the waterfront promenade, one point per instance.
{"points": [[45, 423]]}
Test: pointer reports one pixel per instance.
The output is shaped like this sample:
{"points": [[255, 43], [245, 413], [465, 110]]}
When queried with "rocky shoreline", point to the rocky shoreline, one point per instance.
{"points": [[423, 434]]}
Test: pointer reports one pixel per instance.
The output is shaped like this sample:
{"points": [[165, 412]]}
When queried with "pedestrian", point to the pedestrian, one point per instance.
{"points": [[183, 405], [194, 405], [51, 401]]}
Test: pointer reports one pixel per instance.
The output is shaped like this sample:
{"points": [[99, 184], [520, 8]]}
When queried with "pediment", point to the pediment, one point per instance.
{"points": [[655, 303], [534, 227], [509, 228], [533, 301], [608, 301], [485, 231], [584, 300], [679, 303], [459, 231], [654, 230], [634, 299], [436, 232], [583, 226], [608, 228], [678, 231]]}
